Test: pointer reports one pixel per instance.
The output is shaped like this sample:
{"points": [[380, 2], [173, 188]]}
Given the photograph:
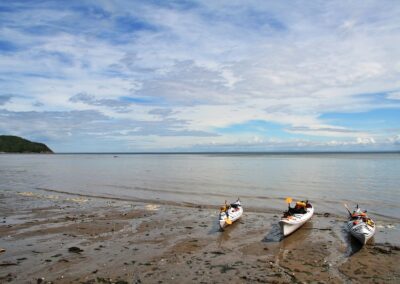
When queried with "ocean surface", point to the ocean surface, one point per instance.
{"points": [[262, 181]]}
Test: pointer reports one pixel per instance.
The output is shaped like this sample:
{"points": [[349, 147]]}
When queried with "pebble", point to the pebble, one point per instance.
{"points": [[75, 250]]}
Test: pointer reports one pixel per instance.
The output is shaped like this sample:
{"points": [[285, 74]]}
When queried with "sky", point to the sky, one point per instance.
{"points": [[144, 76]]}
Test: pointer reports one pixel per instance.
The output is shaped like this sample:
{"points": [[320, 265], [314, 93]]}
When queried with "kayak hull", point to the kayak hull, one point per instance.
{"points": [[361, 231], [233, 213], [290, 224]]}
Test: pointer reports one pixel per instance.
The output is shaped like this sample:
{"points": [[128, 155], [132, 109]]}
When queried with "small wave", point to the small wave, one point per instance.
{"points": [[155, 202], [250, 207], [180, 192], [79, 199]]}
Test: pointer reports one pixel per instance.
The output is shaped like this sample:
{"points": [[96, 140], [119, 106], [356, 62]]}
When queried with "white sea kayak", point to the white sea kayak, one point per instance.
{"points": [[361, 226], [290, 222], [230, 214]]}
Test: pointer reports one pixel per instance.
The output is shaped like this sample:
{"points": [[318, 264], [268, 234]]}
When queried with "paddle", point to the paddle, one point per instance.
{"points": [[348, 210], [227, 219], [288, 201]]}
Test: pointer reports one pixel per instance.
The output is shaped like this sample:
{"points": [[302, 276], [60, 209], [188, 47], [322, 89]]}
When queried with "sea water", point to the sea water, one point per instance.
{"points": [[262, 181]]}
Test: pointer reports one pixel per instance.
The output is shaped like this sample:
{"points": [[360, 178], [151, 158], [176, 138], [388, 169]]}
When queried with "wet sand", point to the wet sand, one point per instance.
{"points": [[61, 238]]}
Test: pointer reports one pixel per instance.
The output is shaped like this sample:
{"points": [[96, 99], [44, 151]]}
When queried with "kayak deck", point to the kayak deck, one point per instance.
{"points": [[233, 213], [291, 223]]}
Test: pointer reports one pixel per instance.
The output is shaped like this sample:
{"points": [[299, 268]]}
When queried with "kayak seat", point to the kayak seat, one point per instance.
{"points": [[297, 211]]}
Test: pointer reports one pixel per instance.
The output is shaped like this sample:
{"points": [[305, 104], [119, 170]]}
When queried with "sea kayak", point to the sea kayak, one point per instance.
{"points": [[361, 226], [230, 213], [292, 220]]}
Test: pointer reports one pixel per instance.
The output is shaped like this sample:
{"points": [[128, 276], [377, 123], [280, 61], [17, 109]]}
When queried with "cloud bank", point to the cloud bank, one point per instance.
{"points": [[199, 75]]}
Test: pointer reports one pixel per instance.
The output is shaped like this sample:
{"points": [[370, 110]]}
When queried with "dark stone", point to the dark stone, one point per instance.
{"points": [[8, 263], [384, 250], [217, 252], [75, 250]]}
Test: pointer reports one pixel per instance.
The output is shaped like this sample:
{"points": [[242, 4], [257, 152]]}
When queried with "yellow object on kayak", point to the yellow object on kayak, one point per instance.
{"points": [[228, 221], [300, 204]]}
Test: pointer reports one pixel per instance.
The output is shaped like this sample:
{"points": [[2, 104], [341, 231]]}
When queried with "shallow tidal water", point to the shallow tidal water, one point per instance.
{"points": [[262, 181], [143, 212]]}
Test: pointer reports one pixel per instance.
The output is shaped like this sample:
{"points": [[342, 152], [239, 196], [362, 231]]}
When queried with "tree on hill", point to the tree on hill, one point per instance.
{"points": [[15, 144]]}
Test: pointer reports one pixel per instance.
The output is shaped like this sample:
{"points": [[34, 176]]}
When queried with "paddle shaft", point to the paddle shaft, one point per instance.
{"points": [[348, 210]]}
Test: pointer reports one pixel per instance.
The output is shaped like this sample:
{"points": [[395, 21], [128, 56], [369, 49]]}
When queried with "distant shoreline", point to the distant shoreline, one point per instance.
{"points": [[16, 144], [26, 153], [230, 153]]}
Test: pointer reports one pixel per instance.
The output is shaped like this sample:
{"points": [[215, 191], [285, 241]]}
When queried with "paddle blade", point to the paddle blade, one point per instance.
{"points": [[348, 210], [228, 221], [289, 200]]}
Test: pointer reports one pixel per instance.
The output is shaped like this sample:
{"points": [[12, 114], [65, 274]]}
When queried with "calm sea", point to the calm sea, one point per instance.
{"points": [[262, 181]]}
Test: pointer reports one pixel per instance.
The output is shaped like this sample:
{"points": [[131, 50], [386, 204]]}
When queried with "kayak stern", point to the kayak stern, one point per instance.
{"points": [[291, 223], [222, 224], [362, 232], [287, 228]]}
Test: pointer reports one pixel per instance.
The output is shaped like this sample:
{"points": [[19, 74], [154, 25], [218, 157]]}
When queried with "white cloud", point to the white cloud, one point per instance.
{"points": [[395, 139], [365, 140], [211, 65], [394, 96]]}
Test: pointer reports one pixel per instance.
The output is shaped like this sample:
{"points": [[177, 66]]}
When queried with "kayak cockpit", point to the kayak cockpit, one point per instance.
{"points": [[230, 213]]}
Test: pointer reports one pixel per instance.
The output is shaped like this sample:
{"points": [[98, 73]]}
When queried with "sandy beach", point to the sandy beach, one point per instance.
{"points": [[64, 238]]}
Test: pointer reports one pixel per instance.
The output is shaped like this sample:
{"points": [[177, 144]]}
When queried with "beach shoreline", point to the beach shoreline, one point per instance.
{"points": [[64, 238]]}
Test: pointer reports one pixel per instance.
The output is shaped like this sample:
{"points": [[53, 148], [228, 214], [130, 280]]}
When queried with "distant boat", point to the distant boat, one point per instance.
{"points": [[296, 217]]}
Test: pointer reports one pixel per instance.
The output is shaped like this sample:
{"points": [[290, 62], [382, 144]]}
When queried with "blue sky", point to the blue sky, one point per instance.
{"points": [[120, 75]]}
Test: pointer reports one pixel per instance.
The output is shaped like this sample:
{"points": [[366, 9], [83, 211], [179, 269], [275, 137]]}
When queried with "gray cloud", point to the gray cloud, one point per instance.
{"points": [[267, 62], [55, 123], [166, 127], [278, 108], [186, 83], [56, 126], [320, 129], [162, 112], [4, 99], [117, 105]]}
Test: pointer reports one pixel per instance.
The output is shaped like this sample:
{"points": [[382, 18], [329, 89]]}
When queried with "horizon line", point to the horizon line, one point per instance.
{"points": [[232, 152]]}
